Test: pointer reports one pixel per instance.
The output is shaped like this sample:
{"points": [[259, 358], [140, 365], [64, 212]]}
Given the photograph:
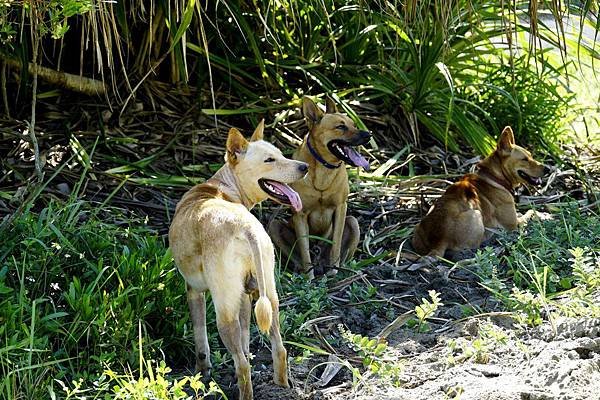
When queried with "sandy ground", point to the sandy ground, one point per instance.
{"points": [[484, 357], [539, 364]]}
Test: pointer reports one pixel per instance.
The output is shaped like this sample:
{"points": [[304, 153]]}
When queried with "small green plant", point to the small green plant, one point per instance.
{"points": [[582, 298], [528, 306], [489, 337], [157, 385], [462, 350], [426, 310], [374, 355], [487, 263], [363, 296], [454, 392], [308, 300], [586, 268]]}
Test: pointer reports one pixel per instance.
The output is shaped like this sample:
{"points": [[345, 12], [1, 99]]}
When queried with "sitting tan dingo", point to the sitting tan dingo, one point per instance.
{"points": [[327, 148], [218, 245], [478, 201]]}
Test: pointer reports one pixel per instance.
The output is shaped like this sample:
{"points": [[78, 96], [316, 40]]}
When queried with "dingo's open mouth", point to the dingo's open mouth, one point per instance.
{"points": [[281, 193], [346, 152], [534, 180]]}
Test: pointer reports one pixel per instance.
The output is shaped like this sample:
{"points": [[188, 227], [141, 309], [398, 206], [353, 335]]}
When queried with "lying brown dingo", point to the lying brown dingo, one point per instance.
{"points": [[327, 147], [481, 200], [218, 245]]}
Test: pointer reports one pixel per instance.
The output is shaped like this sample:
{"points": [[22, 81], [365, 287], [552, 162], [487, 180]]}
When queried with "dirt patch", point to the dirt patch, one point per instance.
{"points": [[529, 365], [484, 357], [532, 365]]}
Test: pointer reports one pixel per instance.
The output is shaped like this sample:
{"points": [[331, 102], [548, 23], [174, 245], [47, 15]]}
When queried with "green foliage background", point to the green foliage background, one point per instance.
{"points": [[81, 292], [443, 68]]}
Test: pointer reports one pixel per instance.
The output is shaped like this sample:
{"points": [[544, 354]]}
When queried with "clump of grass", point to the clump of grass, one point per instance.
{"points": [[153, 380], [156, 385], [73, 289], [552, 265], [527, 99]]}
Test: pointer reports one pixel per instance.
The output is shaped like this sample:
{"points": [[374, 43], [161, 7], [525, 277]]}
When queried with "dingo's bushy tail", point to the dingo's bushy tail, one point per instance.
{"points": [[263, 308]]}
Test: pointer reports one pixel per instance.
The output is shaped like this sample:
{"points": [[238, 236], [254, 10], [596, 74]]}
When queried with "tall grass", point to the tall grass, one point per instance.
{"points": [[411, 58], [75, 295], [92, 306]]}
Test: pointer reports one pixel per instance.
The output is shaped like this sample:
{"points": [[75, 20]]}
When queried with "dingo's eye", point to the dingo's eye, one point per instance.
{"points": [[270, 159], [342, 127]]}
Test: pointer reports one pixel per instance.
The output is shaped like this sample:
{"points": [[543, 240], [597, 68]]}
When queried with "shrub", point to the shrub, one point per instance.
{"points": [[528, 100], [73, 289]]}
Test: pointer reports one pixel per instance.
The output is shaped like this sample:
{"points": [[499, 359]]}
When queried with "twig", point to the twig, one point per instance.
{"points": [[3, 84], [395, 324], [36, 47], [346, 282], [325, 343]]}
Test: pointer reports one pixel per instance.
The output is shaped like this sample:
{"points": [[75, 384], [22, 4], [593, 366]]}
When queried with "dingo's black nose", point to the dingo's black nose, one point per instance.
{"points": [[303, 167], [361, 138], [547, 170]]}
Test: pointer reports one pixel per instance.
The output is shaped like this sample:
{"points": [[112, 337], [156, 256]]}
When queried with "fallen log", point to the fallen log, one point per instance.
{"points": [[65, 80]]}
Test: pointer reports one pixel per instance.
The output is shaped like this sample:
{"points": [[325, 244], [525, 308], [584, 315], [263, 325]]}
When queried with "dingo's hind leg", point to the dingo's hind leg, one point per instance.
{"points": [[197, 305]]}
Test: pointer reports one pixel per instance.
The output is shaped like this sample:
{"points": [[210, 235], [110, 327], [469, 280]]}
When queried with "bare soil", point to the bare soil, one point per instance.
{"points": [[557, 360]]}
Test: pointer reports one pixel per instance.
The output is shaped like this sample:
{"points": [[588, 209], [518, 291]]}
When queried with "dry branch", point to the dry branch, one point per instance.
{"points": [[65, 80]]}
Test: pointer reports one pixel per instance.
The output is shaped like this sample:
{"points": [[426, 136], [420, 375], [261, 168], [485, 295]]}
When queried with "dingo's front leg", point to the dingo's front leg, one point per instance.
{"points": [[339, 220], [300, 221]]}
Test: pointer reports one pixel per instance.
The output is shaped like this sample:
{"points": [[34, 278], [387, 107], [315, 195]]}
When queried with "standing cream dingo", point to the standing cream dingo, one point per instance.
{"points": [[218, 245]]}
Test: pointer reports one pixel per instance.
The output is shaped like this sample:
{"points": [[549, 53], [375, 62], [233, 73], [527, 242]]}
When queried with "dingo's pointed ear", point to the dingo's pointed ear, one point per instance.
{"points": [[506, 140], [236, 145], [258, 132], [311, 111], [330, 106]]}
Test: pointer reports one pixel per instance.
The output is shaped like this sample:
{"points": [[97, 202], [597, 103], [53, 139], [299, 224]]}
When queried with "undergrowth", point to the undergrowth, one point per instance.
{"points": [[89, 298], [73, 290], [310, 300], [549, 268], [84, 296]]}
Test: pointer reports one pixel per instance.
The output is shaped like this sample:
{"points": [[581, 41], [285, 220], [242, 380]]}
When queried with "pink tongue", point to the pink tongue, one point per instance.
{"points": [[356, 158], [292, 195]]}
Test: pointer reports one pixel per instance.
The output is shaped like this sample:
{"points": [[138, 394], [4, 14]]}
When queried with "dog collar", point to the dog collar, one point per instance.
{"points": [[318, 157], [502, 182]]}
